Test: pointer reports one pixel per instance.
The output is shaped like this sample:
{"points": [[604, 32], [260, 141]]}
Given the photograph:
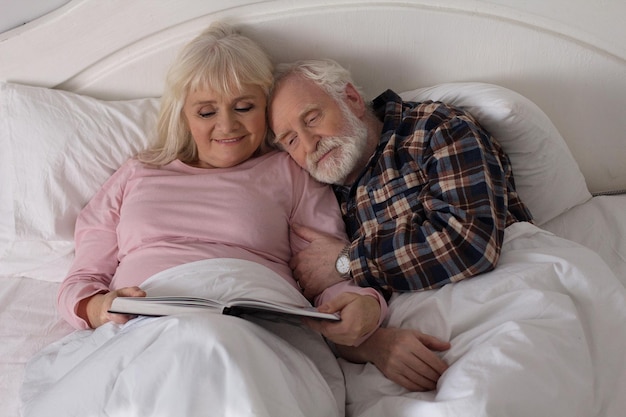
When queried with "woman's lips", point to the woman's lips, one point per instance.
{"points": [[228, 140]]}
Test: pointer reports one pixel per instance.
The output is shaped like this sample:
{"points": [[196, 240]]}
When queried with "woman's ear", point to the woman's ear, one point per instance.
{"points": [[354, 100]]}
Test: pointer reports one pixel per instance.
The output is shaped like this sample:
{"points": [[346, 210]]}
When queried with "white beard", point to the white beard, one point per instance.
{"points": [[348, 151]]}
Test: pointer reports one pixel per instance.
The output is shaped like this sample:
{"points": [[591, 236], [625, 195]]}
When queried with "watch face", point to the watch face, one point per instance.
{"points": [[343, 264]]}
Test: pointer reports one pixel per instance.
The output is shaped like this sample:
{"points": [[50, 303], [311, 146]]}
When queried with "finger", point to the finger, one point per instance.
{"points": [[120, 318], [409, 379], [428, 364], [412, 372], [433, 343], [415, 383], [131, 292], [337, 303], [425, 370]]}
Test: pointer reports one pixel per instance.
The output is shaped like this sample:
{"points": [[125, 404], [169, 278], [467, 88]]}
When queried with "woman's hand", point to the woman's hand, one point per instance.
{"points": [[94, 310], [360, 315]]}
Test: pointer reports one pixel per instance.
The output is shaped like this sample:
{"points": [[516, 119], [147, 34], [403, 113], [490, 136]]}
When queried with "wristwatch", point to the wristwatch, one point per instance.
{"points": [[342, 264]]}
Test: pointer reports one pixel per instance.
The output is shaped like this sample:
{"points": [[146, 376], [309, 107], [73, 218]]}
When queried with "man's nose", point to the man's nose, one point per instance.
{"points": [[310, 142]]}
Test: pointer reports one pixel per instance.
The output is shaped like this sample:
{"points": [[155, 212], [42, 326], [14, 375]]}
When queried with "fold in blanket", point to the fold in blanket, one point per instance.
{"points": [[191, 364], [541, 335]]}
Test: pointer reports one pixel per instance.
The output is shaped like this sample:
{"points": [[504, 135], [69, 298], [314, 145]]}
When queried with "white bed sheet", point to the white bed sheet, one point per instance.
{"points": [[28, 323]]}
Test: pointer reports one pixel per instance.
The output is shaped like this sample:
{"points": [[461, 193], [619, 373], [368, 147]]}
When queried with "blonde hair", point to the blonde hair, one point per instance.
{"points": [[221, 59]]}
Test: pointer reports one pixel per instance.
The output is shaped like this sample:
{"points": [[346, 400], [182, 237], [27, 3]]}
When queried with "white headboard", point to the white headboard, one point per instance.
{"points": [[568, 56]]}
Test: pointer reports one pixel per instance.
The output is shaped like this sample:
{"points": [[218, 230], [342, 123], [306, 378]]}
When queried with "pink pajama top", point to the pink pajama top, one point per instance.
{"points": [[146, 219]]}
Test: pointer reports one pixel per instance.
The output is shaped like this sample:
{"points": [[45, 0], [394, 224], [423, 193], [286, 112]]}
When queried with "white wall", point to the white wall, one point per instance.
{"points": [[598, 22], [569, 55], [14, 13]]}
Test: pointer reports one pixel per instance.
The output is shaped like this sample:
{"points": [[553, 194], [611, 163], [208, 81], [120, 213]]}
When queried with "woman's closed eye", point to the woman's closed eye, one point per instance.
{"points": [[244, 109]]}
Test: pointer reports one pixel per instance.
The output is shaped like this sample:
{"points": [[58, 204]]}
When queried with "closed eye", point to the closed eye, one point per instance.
{"points": [[312, 119], [291, 140], [287, 142], [206, 115]]}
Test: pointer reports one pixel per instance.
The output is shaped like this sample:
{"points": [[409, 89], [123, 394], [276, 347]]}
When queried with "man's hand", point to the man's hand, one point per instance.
{"points": [[403, 355], [94, 309], [314, 266], [359, 316]]}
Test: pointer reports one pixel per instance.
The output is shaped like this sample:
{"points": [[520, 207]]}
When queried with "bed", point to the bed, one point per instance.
{"points": [[79, 95]]}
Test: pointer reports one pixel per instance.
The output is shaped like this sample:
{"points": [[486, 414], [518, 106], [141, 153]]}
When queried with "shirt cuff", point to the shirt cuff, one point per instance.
{"points": [[349, 286]]}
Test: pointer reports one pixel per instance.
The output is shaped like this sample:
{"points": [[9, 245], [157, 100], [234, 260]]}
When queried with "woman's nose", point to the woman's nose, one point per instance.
{"points": [[226, 121]]}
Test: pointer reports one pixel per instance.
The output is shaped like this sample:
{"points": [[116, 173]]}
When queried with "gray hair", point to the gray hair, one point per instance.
{"points": [[325, 73]]}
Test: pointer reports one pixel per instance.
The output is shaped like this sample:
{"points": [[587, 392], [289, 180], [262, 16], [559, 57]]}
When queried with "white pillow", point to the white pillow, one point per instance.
{"points": [[57, 148], [546, 175]]}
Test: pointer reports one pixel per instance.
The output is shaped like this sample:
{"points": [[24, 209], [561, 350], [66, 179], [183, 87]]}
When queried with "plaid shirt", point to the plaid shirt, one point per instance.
{"points": [[432, 204]]}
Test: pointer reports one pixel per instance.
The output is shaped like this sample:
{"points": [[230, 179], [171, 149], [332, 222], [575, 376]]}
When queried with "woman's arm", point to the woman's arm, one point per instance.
{"points": [[362, 309], [84, 288]]}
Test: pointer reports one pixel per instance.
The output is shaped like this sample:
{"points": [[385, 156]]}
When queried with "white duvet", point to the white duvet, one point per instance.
{"points": [[200, 364], [542, 335]]}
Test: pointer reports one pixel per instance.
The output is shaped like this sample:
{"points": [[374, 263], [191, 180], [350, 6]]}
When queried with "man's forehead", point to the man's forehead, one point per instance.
{"points": [[298, 85], [291, 96]]}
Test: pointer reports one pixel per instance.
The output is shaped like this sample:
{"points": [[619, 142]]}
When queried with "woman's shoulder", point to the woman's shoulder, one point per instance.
{"points": [[133, 166], [282, 160], [285, 169], [138, 167]]}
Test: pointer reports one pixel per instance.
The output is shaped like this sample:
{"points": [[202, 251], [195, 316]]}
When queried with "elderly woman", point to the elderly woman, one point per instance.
{"points": [[209, 210]]}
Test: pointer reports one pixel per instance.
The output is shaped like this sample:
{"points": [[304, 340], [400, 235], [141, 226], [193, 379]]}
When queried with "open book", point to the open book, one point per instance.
{"points": [[167, 305]]}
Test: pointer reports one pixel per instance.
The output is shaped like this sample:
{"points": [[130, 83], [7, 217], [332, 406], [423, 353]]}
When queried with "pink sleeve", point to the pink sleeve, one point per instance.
{"points": [[317, 208], [314, 206], [349, 286], [96, 251]]}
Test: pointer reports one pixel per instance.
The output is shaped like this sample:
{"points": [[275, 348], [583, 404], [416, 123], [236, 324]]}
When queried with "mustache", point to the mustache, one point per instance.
{"points": [[323, 147]]}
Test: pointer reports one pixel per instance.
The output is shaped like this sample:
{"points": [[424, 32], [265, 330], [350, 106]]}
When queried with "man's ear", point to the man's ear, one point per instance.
{"points": [[354, 100]]}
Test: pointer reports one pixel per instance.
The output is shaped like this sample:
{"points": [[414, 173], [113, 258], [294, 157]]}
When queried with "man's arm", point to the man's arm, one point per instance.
{"points": [[443, 228], [440, 215], [405, 356], [314, 266]]}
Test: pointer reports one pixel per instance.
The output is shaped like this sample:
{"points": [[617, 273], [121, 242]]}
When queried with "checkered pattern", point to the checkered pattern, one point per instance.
{"points": [[432, 205]]}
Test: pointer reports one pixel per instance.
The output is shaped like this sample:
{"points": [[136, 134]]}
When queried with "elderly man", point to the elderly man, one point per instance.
{"points": [[425, 192]]}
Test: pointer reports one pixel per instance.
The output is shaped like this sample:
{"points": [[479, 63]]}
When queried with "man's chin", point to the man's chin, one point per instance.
{"points": [[327, 178], [330, 170]]}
